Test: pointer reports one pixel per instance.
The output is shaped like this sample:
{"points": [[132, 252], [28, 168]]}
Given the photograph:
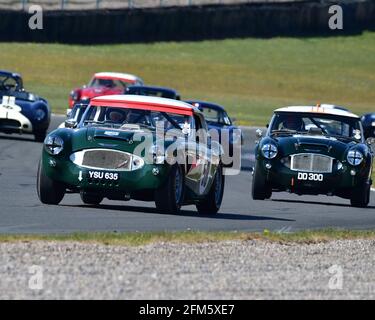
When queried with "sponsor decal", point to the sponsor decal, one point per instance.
{"points": [[111, 133]]}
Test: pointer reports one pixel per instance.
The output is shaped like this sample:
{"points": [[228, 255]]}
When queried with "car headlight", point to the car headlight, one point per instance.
{"points": [[157, 154], [54, 145], [355, 157], [137, 162], [269, 151], [40, 114]]}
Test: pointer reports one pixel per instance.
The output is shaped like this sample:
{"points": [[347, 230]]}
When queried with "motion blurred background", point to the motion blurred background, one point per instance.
{"points": [[252, 56], [119, 4]]}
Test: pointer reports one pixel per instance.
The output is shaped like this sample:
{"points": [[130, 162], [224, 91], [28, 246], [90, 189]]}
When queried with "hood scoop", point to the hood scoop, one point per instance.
{"points": [[109, 134], [312, 146]]}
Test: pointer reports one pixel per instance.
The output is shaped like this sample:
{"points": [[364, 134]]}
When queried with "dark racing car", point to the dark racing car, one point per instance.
{"points": [[153, 91], [217, 119], [21, 111], [314, 150]]}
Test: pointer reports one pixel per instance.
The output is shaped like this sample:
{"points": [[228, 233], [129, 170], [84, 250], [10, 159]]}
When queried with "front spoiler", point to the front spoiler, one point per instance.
{"points": [[340, 182]]}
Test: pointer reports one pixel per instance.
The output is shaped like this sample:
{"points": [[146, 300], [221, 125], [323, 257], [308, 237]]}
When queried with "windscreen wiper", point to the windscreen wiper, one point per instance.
{"points": [[285, 131]]}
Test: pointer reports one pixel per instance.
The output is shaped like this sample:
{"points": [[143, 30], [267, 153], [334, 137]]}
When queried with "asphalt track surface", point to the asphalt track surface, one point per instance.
{"points": [[21, 211]]}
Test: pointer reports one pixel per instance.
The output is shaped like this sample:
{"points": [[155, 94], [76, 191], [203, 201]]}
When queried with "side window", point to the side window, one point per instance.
{"points": [[91, 114]]}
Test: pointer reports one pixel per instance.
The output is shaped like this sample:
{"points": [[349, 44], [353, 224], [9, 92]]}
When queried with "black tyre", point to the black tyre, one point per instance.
{"points": [[212, 203], [89, 198], [170, 196], [49, 191], [260, 189], [361, 196], [40, 136]]}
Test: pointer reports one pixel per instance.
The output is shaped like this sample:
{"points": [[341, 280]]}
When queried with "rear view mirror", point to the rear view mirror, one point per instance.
{"points": [[71, 124]]}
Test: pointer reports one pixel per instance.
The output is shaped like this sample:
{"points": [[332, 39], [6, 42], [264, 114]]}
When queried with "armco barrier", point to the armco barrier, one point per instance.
{"points": [[188, 23]]}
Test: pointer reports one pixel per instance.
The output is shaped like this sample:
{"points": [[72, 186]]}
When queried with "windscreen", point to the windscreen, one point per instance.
{"points": [[121, 118], [330, 125]]}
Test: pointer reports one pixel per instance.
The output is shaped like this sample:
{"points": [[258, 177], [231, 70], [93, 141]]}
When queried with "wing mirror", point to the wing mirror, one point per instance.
{"points": [[259, 133], [71, 124]]}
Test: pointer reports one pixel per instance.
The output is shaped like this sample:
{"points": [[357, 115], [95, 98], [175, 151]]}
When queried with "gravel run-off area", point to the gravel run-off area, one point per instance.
{"points": [[251, 269]]}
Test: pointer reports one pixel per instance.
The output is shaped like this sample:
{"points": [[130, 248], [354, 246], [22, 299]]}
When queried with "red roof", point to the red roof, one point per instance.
{"points": [[144, 103]]}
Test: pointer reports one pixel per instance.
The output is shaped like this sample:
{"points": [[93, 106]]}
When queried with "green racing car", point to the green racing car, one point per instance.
{"points": [[134, 147]]}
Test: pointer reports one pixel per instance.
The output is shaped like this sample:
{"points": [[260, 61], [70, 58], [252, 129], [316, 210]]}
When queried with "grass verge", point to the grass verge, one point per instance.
{"points": [[251, 77], [138, 239]]}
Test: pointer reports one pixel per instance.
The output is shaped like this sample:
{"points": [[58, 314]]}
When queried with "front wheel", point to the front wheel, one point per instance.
{"points": [[170, 196], [49, 191], [260, 189], [212, 203], [361, 196]]}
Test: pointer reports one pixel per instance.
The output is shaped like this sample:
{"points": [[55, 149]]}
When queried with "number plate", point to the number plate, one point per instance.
{"points": [[110, 176], [303, 176]]}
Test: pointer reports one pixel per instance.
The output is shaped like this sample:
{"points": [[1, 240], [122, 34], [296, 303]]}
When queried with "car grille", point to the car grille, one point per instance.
{"points": [[311, 162], [106, 159], [9, 123]]}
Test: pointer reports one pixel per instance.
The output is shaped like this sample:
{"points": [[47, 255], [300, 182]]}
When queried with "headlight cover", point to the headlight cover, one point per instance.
{"points": [[54, 145], [40, 114], [355, 157], [269, 151]]}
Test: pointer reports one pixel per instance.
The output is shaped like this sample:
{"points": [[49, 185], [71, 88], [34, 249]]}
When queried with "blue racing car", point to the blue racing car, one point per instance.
{"points": [[217, 118], [22, 111], [368, 123]]}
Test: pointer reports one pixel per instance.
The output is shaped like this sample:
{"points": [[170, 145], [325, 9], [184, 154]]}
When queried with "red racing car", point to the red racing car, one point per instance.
{"points": [[103, 84]]}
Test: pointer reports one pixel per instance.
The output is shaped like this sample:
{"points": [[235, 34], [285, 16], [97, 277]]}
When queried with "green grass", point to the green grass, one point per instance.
{"points": [[251, 77], [138, 239]]}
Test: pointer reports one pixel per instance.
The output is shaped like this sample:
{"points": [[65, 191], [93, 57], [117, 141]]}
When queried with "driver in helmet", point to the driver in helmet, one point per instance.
{"points": [[294, 123], [108, 83], [117, 116]]}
